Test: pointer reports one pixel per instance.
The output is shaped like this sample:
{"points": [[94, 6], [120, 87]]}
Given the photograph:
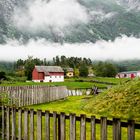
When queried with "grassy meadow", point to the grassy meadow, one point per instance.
{"points": [[73, 83], [76, 104], [122, 101]]}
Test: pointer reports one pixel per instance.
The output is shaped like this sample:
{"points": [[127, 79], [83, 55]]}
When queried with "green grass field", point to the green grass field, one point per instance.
{"points": [[75, 104], [72, 83], [93, 105]]}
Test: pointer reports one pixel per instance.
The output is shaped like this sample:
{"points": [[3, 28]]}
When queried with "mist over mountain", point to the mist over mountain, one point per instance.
{"points": [[71, 21]]}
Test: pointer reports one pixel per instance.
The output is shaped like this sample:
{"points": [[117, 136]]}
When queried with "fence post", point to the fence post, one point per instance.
{"points": [[3, 122], [103, 128], [116, 129], [83, 127], [25, 124], [19, 124], [62, 126], [54, 126], [47, 126], [59, 134], [13, 123], [72, 127], [39, 125], [93, 128], [31, 124], [8, 123], [131, 130]]}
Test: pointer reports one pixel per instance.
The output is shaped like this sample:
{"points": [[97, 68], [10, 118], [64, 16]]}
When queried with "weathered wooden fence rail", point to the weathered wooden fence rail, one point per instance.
{"points": [[79, 92], [28, 95], [29, 124]]}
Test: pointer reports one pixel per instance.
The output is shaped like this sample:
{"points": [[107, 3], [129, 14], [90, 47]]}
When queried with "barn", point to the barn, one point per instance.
{"points": [[47, 74], [128, 74]]}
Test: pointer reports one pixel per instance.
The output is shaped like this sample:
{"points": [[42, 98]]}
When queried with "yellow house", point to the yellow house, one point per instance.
{"points": [[69, 72]]}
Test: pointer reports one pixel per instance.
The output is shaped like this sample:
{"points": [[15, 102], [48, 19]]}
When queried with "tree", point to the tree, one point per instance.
{"points": [[76, 72], [57, 60], [83, 71], [63, 60], [29, 66], [2, 75], [105, 69], [19, 63]]}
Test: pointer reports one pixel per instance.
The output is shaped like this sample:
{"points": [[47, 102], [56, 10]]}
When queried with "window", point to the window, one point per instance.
{"points": [[59, 76], [50, 76]]}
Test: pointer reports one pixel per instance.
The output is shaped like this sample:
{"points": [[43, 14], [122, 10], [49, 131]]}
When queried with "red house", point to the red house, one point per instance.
{"points": [[48, 74], [128, 74]]}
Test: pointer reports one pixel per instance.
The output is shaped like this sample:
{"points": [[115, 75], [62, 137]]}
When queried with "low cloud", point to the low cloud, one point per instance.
{"points": [[129, 4], [40, 14], [121, 49], [100, 15]]}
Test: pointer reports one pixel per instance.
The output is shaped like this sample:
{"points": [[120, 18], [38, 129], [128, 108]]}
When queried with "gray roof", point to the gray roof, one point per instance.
{"points": [[47, 69], [128, 72], [70, 69]]}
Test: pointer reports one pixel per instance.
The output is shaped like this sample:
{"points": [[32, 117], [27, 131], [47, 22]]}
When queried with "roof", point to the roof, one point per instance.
{"points": [[128, 72], [69, 69], [47, 69]]}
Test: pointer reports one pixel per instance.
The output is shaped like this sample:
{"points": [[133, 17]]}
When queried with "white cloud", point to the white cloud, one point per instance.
{"points": [[121, 49], [100, 15], [129, 4], [40, 14]]}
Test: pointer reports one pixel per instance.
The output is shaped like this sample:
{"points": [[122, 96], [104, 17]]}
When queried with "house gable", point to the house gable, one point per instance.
{"points": [[37, 75]]}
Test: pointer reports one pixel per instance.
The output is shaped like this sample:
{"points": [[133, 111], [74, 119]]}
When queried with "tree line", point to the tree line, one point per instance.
{"points": [[82, 66]]}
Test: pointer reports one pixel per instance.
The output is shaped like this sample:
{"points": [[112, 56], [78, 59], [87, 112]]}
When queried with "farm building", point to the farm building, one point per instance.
{"points": [[69, 72], [128, 74], [48, 74]]}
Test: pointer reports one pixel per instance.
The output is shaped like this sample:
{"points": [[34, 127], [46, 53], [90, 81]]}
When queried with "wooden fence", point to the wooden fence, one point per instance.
{"points": [[82, 91], [24, 124], [28, 95], [78, 92]]}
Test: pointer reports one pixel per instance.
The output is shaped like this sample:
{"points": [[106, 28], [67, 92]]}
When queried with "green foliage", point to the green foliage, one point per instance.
{"points": [[83, 71], [105, 69], [7, 67], [2, 76], [75, 104], [120, 101], [128, 65], [29, 66], [73, 62], [70, 105], [76, 72], [4, 99]]}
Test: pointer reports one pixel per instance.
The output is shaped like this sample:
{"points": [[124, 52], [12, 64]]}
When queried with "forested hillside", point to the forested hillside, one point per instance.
{"points": [[99, 20]]}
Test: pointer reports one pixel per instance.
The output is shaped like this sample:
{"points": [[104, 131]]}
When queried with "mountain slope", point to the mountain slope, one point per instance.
{"points": [[99, 20]]}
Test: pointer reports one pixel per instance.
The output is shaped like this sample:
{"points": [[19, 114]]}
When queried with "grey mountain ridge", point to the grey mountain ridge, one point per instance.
{"points": [[118, 17]]}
